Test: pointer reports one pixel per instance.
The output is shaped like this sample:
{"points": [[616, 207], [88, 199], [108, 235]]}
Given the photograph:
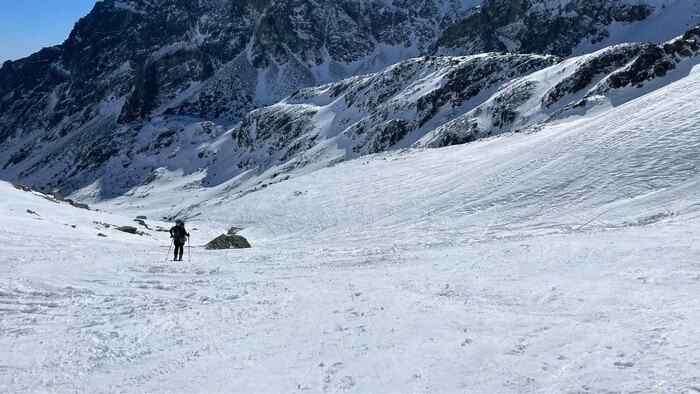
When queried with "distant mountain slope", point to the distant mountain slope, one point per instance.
{"points": [[434, 102], [133, 66], [210, 59], [366, 114], [609, 77], [565, 27], [142, 87], [630, 165]]}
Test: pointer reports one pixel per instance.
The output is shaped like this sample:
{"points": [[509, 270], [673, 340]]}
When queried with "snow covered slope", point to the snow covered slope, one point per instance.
{"points": [[423, 102], [574, 87], [562, 260], [619, 166]]}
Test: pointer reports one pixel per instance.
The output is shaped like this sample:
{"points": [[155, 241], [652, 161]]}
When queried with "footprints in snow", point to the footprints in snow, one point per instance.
{"points": [[331, 378], [172, 270], [354, 329], [331, 381]]}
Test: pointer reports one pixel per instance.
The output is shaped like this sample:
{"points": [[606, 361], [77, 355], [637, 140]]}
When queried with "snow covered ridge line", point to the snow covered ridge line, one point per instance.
{"points": [[609, 77], [441, 101], [53, 197], [369, 114]]}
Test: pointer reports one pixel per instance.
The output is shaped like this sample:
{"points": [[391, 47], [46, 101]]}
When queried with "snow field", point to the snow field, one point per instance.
{"points": [[600, 311]]}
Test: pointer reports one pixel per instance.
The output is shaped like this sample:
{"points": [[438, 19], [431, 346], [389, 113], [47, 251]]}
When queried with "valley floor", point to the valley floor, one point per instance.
{"points": [[600, 311]]}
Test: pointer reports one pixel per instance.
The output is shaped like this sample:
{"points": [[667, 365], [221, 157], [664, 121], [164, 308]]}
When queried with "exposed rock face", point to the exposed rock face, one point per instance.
{"points": [[653, 62], [614, 76], [142, 223], [368, 114], [537, 26], [228, 242], [531, 99]]}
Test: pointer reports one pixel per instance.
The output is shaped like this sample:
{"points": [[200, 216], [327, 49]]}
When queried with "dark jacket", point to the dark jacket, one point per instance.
{"points": [[179, 233]]}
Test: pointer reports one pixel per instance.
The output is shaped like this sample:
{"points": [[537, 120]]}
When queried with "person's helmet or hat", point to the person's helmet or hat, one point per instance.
{"points": [[179, 221]]}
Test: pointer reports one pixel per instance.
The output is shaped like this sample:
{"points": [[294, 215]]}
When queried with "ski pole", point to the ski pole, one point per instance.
{"points": [[189, 250], [169, 247]]}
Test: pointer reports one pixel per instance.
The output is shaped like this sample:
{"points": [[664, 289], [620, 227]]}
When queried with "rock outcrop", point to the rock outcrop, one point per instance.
{"points": [[225, 241]]}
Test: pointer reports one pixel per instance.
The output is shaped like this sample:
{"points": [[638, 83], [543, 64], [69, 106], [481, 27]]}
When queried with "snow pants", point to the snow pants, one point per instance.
{"points": [[179, 249]]}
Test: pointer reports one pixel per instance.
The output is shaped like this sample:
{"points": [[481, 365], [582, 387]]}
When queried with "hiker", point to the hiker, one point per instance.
{"points": [[179, 236]]}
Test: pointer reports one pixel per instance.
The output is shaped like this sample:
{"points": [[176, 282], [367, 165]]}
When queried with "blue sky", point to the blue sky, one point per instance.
{"points": [[26, 26]]}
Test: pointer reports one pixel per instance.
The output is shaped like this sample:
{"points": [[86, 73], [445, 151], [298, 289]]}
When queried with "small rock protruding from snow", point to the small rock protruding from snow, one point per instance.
{"points": [[129, 229]]}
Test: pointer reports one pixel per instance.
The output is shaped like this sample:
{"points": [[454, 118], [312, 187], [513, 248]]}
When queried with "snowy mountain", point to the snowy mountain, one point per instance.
{"points": [[130, 66], [439, 101], [607, 78], [565, 27], [561, 260], [143, 87], [363, 115]]}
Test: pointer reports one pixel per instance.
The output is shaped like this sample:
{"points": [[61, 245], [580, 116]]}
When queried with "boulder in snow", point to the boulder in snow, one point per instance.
{"points": [[128, 229], [142, 223], [228, 242]]}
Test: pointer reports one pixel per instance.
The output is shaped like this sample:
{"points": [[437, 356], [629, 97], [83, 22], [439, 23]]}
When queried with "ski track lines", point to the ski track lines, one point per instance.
{"points": [[635, 164]]}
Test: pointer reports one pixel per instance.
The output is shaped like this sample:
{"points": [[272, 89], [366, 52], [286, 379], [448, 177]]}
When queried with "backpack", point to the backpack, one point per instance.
{"points": [[179, 234]]}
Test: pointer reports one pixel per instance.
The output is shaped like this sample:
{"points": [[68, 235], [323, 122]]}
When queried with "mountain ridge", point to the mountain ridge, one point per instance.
{"points": [[181, 73]]}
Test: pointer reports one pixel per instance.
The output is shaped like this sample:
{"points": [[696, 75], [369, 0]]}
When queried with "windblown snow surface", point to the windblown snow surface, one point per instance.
{"points": [[560, 260]]}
